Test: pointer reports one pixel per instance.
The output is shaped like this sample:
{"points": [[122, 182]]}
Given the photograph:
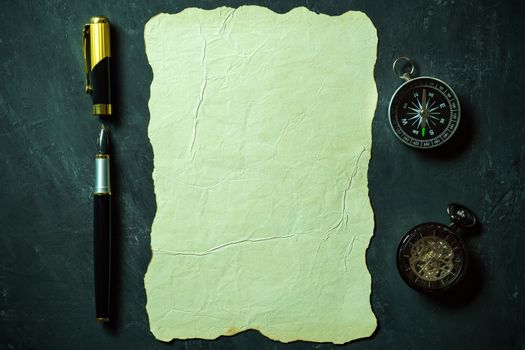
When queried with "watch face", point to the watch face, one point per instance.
{"points": [[431, 258], [424, 112]]}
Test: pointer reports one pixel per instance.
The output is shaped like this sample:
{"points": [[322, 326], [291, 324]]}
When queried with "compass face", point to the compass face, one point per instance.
{"points": [[431, 258], [424, 112]]}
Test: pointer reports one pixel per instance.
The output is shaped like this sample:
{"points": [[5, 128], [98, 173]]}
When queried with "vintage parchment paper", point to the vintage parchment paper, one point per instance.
{"points": [[261, 132]]}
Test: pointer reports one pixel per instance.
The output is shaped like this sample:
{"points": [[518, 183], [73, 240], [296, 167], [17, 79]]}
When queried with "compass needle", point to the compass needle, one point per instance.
{"points": [[424, 113]]}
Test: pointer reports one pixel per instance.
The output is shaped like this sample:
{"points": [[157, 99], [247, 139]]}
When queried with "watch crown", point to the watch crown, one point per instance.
{"points": [[461, 216]]}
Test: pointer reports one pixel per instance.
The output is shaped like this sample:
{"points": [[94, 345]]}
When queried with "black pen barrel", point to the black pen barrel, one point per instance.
{"points": [[102, 227], [102, 255]]}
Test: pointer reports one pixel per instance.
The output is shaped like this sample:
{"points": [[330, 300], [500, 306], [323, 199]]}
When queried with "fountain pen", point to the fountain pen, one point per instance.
{"points": [[102, 227]]}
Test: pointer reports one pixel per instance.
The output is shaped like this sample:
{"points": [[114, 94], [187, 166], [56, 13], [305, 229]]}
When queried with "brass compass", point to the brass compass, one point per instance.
{"points": [[432, 257]]}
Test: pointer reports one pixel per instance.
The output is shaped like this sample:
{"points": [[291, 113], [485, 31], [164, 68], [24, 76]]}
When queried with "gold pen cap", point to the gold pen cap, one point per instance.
{"points": [[96, 49]]}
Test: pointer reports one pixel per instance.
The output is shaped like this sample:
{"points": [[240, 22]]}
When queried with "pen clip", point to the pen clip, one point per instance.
{"points": [[85, 33]]}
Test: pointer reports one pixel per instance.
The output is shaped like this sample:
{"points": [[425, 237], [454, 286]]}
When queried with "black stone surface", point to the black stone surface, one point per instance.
{"points": [[47, 143]]}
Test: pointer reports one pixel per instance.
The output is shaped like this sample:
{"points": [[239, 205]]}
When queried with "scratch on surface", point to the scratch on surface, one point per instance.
{"points": [[225, 245], [201, 96], [228, 17], [26, 126], [504, 198], [349, 251], [344, 214]]}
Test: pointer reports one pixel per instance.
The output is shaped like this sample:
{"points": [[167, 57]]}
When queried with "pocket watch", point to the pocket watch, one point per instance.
{"points": [[432, 257], [424, 112]]}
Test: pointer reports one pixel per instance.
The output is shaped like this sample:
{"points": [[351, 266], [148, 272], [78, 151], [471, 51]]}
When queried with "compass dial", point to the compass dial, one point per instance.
{"points": [[424, 112], [431, 258]]}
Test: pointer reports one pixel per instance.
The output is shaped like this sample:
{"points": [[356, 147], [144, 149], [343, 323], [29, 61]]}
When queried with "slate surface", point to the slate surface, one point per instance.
{"points": [[47, 147]]}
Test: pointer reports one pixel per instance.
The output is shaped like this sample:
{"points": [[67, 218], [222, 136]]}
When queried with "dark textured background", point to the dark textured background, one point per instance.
{"points": [[47, 148]]}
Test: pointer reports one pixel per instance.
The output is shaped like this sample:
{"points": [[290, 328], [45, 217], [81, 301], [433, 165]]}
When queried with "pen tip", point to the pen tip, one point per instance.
{"points": [[103, 140]]}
